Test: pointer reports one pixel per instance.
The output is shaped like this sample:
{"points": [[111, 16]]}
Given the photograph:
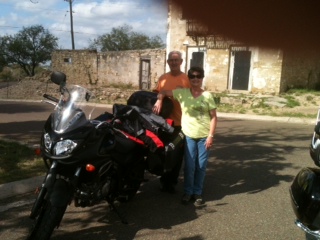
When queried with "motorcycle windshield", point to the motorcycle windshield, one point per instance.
{"points": [[74, 109]]}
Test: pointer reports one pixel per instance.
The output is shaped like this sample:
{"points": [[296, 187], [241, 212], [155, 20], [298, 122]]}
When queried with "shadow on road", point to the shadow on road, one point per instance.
{"points": [[247, 162], [150, 209], [25, 132], [25, 107], [243, 160]]}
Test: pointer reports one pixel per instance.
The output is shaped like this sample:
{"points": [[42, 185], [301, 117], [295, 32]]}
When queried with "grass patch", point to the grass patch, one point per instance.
{"points": [[291, 101], [309, 98], [302, 91], [18, 162], [262, 105], [228, 108]]}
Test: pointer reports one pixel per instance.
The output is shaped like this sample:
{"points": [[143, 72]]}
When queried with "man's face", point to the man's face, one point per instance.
{"points": [[174, 62]]}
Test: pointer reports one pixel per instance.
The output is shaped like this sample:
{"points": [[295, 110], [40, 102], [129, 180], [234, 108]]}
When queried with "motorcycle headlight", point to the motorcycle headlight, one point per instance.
{"points": [[47, 141], [64, 147]]}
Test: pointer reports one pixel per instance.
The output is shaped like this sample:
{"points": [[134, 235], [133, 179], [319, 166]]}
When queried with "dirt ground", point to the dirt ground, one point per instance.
{"points": [[31, 89]]}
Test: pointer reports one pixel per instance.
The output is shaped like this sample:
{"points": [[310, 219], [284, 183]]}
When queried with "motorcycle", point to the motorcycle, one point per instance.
{"points": [[305, 190], [93, 160]]}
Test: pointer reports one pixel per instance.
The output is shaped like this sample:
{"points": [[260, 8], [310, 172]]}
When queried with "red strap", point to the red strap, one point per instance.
{"points": [[169, 121], [155, 139], [133, 138]]}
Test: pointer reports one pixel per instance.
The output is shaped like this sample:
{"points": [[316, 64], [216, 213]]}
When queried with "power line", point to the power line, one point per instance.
{"points": [[65, 12], [53, 29], [9, 27]]}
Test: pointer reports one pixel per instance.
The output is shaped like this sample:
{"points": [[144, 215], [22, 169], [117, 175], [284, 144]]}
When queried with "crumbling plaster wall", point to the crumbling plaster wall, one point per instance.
{"points": [[80, 66], [266, 67], [265, 72], [216, 70], [176, 36], [87, 67], [124, 66], [300, 69]]}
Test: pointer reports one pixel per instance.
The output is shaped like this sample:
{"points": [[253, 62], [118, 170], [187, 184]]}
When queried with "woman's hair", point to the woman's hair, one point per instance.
{"points": [[196, 69]]}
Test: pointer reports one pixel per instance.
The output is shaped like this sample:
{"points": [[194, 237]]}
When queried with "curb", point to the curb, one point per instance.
{"points": [[20, 187], [307, 121]]}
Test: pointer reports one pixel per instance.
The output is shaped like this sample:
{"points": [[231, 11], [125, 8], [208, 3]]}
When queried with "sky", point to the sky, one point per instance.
{"points": [[91, 18]]}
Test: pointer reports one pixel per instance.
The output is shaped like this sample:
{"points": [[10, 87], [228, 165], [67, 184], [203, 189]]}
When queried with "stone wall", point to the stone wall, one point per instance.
{"points": [[217, 67], [176, 37], [87, 67], [300, 70], [124, 66], [266, 70], [272, 71], [80, 66]]}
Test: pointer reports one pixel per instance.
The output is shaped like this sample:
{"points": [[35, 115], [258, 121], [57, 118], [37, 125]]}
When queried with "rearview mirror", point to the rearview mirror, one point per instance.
{"points": [[58, 78]]}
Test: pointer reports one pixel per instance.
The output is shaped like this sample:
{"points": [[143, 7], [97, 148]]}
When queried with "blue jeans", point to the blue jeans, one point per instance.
{"points": [[195, 164]]}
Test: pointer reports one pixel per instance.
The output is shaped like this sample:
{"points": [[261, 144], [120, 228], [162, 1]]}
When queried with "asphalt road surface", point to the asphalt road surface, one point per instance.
{"points": [[246, 191], [23, 121]]}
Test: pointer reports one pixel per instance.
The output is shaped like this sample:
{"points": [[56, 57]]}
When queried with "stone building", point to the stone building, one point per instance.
{"points": [[140, 68], [229, 66], [236, 67]]}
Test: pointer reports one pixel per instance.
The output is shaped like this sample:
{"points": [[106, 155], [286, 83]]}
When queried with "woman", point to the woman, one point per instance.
{"points": [[198, 122]]}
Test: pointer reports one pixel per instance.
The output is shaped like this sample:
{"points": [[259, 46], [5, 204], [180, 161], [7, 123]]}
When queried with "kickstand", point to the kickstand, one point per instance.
{"points": [[120, 215]]}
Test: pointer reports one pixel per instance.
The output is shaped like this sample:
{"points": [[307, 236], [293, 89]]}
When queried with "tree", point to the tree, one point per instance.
{"points": [[28, 48], [2, 62], [123, 38]]}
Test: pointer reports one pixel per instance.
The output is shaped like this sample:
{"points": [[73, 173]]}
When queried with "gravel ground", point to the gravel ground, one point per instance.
{"points": [[31, 89]]}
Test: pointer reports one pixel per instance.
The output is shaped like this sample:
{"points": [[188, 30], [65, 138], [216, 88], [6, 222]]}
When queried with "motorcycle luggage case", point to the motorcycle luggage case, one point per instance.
{"points": [[146, 100], [305, 197], [315, 154], [315, 145]]}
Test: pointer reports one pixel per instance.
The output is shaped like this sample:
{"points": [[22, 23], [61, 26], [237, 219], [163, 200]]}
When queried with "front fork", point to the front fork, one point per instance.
{"points": [[47, 187], [46, 184]]}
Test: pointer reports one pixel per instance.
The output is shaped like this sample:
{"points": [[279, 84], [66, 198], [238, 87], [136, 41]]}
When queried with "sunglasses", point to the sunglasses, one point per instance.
{"points": [[191, 76]]}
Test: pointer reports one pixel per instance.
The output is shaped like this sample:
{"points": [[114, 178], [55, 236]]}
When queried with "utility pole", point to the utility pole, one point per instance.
{"points": [[71, 22]]}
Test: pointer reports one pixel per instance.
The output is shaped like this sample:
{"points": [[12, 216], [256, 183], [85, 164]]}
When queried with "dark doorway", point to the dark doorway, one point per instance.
{"points": [[240, 80], [197, 59], [144, 81]]}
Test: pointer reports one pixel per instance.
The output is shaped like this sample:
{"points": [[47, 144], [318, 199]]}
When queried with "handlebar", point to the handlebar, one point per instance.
{"points": [[102, 124], [56, 100]]}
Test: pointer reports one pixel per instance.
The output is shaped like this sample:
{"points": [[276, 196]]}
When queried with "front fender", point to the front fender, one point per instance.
{"points": [[61, 193]]}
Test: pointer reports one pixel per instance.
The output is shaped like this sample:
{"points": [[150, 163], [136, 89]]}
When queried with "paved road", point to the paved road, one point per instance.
{"points": [[23, 121], [246, 192]]}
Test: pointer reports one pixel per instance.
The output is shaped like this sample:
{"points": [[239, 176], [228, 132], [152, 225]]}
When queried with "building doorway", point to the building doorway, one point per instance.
{"points": [[144, 78], [195, 57], [240, 63]]}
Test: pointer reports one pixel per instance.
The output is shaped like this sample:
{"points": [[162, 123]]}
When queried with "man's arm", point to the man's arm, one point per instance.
{"points": [[158, 104]]}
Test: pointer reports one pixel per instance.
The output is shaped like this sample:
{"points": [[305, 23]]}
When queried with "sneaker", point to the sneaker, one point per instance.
{"points": [[197, 199], [185, 199]]}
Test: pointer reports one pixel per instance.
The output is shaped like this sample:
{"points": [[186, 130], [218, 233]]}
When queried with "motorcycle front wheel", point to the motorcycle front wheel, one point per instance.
{"points": [[48, 219], [49, 216]]}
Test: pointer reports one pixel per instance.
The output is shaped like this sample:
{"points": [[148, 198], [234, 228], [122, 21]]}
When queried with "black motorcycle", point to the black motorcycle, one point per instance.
{"points": [[91, 160], [305, 190]]}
